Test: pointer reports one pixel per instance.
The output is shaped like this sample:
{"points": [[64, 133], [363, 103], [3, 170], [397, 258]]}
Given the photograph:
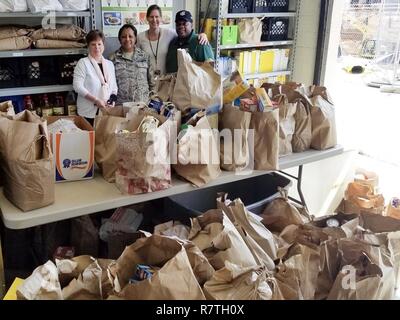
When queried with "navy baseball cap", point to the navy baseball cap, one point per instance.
{"points": [[184, 15]]}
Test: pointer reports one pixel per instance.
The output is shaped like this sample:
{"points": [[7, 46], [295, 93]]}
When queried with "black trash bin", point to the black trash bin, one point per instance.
{"points": [[255, 193]]}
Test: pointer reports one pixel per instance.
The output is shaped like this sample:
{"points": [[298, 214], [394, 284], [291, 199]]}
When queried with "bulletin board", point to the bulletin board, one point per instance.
{"points": [[116, 13]]}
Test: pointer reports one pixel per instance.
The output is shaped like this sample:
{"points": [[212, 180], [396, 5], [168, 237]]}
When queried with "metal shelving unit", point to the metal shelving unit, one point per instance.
{"points": [[220, 12], [257, 15], [258, 45], [41, 52], [266, 75], [34, 90], [79, 17], [59, 14]]}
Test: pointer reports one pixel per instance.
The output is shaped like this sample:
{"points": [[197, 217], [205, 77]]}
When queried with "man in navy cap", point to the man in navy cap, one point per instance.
{"points": [[186, 39]]}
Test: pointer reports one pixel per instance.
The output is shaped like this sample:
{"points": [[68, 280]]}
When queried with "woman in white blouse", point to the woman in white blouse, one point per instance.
{"points": [[94, 78], [156, 40]]}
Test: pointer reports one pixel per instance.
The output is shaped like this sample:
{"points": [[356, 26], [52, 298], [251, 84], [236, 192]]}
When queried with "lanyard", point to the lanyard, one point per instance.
{"points": [[151, 47]]}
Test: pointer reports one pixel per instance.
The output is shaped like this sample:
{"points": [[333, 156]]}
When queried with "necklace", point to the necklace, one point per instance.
{"points": [[155, 54]]}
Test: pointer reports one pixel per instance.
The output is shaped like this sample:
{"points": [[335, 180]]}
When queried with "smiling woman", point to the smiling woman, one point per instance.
{"points": [[132, 67], [156, 40]]}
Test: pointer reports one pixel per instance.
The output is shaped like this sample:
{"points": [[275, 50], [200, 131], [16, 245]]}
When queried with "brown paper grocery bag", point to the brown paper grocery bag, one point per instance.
{"points": [[27, 161], [7, 108], [61, 32], [305, 262], [16, 43], [393, 209], [174, 280], [235, 153], [243, 219], [250, 30], [266, 139], [106, 124], [375, 274], [13, 31], [303, 125], [165, 86], [197, 85], [220, 241], [201, 267], [237, 283], [286, 125], [303, 128], [143, 158], [360, 197], [282, 212], [57, 44], [324, 134], [198, 156]]}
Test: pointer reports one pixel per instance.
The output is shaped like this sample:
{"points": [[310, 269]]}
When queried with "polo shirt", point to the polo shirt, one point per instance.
{"points": [[198, 52]]}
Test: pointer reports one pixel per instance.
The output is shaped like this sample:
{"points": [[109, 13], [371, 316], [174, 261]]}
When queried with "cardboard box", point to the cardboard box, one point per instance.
{"points": [[73, 152]]}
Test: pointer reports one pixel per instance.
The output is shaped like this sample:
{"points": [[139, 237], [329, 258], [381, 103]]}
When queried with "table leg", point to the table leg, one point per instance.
{"points": [[2, 277], [299, 180]]}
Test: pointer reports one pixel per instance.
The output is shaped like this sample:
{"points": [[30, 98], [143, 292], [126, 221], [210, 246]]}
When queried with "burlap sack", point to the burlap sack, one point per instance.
{"points": [[282, 212], [234, 150], [174, 281], [61, 32], [324, 134], [16, 43], [143, 158], [198, 157], [286, 125], [266, 139], [165, 86], [56, 44], [7, 109], [13, 31], [197, 85], [220, 241], [237, 283], [250, 30], [106, 124], [247, 221], [27, 161]]}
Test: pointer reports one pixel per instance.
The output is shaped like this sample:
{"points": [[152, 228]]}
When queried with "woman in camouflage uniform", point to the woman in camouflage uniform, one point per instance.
{"points": [[133, 69]]}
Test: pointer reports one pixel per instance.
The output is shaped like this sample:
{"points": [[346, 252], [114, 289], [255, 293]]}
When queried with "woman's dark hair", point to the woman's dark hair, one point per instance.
{"points": [[93, 35], [153, 7], [127, 26]]}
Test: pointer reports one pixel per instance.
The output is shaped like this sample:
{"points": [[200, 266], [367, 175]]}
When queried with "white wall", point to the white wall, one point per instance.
{"points": [[306, 44], [324, 182]]}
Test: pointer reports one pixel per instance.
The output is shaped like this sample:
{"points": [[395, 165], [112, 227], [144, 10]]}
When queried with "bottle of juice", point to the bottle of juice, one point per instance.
{"points": [[47, 109], [70, 104]]}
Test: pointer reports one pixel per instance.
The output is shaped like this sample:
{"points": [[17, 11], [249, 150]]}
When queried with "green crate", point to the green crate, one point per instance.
{"points": [[230, 35]]}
